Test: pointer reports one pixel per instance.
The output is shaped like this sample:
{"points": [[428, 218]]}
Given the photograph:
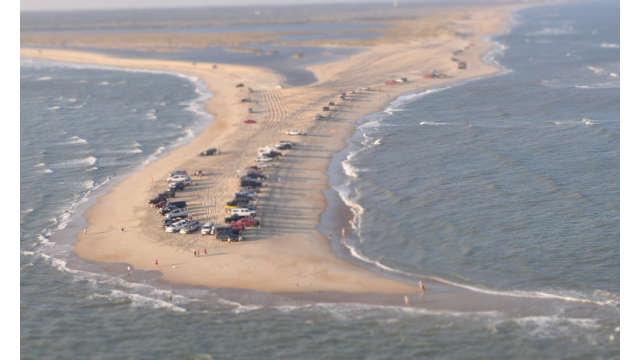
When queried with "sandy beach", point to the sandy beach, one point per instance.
{"points": [[288, 254]]}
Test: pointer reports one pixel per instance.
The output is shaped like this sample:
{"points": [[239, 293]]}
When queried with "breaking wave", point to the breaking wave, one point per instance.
{"points": [[88, 161], [76, 140]]}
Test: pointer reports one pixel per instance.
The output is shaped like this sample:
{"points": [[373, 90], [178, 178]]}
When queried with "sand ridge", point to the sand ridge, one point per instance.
{"points": [[288, 254]]}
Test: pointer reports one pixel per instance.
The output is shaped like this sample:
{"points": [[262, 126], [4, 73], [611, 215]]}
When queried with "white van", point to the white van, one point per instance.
{"points": [[243, 212]]}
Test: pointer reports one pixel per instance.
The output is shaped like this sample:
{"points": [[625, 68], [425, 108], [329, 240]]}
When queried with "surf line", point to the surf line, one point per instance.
{"points": [[520, 294]]}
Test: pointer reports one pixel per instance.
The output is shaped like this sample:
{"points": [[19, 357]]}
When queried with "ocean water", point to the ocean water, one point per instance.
{"points": [[508, 183]]}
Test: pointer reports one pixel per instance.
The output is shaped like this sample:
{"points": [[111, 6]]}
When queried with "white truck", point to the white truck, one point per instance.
{"points": [[243, 212]]}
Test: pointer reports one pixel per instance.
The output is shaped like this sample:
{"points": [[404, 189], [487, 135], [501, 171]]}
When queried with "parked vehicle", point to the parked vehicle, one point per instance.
{"points": [[246, 194], [243, 198], [168, 193], [176, 226], [228, 233], [223, 229], [255, 174], [167, 222], [173, 205], [178, 172], [232, 218], [190, 227], [247, 178], [250, 182], [179, 178], [177, 186], [249, 222], [209, 152], [237, 203], [160, 204], [294, 132], [159, 198], [265, 149], [207, 228], [177, 204], [175, 213], [243, 212], [263, 159], [250, 189], [284, 146]]}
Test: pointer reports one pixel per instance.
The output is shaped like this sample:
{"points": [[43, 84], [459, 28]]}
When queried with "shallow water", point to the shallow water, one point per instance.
{"points": [[509, 184], [282, 61]]}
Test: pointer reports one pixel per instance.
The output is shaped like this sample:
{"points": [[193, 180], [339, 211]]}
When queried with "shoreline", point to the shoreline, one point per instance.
{"points": [[345, 129]]}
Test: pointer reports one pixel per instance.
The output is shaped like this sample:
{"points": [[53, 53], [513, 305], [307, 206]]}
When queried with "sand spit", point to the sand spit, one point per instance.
{"points": [[288, 254]]}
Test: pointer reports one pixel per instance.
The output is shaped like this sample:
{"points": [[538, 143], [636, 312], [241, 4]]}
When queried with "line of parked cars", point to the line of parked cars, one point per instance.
{"points": [[175, 213], [241, 210]]}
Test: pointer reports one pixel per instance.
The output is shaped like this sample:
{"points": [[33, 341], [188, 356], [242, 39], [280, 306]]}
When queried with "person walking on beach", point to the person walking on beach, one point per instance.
{"points": [[156, 262], [194, 253], [205, 251]]}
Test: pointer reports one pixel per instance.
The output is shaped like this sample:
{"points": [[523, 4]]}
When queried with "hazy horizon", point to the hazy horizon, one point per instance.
{"points": [[77, 5], [70, 5]]}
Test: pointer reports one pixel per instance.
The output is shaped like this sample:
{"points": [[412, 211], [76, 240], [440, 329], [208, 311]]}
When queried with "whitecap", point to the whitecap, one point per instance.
{"points": [[53, 108], [159, 151], [433, 123], [89, 184], [103, 83], [349, 169], [72, 100], [44, 240], [151, 115], [77, 140], [88, 161], [596, 70], [140, 300], [564, 29], [588, 122], [610, 46], [239, 308], [44, 78], [602, 85]]}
